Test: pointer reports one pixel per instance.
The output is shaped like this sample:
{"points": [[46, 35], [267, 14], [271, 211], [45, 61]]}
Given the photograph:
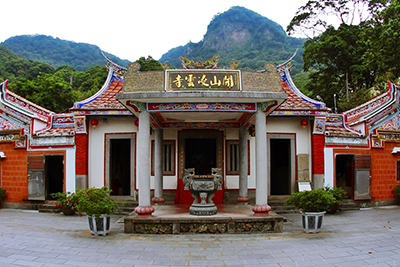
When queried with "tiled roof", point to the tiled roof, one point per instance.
{"points": [[59, 125], [294, 101], [297, 102], [23, 105], [58, 131], [358, 113], [336, 126], [107, 99]]}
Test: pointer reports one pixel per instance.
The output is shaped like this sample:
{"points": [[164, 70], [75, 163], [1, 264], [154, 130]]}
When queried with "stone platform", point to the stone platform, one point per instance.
{"points": [[230, 219]]}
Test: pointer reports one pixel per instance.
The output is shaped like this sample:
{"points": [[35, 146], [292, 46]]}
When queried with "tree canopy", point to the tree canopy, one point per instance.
{"points": [[349, 63]]}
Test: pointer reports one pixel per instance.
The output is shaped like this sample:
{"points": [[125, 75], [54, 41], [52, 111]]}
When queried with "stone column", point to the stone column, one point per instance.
{"points": [[144, 209], [158, 169], [261, 208], [243, 168]]}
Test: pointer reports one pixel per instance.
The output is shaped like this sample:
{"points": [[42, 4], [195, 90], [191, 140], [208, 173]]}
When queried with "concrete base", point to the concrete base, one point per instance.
{"points": [[231, 219]]}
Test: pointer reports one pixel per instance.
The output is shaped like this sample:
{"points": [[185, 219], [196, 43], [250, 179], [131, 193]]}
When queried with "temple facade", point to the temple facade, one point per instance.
{"points": [[142, 130]]}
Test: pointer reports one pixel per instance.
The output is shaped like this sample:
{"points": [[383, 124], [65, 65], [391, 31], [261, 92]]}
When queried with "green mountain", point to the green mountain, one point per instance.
{"points": [[57, 52], [245, 36]]}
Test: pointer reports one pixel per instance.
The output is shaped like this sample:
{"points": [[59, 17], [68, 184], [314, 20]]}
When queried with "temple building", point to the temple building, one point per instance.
{"points": [[142, 130]]}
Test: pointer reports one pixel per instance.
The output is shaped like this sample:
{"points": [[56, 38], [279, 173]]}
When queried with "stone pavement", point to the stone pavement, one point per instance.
{"points": [[369, 237]]}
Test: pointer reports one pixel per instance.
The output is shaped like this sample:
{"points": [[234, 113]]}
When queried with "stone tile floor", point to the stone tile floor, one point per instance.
{"points": [[368, 237]]}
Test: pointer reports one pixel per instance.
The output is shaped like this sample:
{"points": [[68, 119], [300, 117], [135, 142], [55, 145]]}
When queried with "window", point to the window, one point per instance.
{"points": [[168, 157], [398, 170], [233, 162]]}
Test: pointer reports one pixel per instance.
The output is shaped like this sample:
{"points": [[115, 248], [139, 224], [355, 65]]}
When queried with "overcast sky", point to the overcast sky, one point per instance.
{"points": [[129, 29]]}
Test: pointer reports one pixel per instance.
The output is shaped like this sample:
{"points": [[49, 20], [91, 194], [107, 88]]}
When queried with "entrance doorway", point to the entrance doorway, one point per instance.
{"points": [[120, 166], [345, 173], [54, 173], [280, 166], [45, 176], [202, 150], [200, 154]]}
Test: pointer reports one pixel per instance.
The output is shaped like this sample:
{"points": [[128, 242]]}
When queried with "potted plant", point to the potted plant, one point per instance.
{"points": [[338, 193], [3, 195], [313, 204], [65, 201], [97, 204]]}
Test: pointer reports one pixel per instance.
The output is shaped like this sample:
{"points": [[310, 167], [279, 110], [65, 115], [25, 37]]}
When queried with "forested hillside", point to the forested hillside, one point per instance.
{"points": [[245, 36], [57, 52], [54, 89]]}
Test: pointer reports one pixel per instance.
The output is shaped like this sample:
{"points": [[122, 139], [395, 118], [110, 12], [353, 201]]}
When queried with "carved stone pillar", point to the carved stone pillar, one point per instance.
{"points": [[144, 208], [244, 165], [261, 208], [158, 170]]}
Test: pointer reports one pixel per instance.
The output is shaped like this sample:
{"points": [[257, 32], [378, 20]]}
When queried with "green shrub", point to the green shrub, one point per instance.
{"points": [[316, 200], [337, 192], [397, 190], [96, 201], [3, 194]]}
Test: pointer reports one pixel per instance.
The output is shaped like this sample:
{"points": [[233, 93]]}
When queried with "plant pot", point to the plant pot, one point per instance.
{"points": [[67, 210], [312, 221], [99, 225], [333, 209]]}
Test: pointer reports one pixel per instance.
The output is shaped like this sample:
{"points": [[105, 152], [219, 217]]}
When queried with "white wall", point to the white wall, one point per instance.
{"points": [[97, 145], [169, 181], [292, 125], [328, 167], [70, 161]]}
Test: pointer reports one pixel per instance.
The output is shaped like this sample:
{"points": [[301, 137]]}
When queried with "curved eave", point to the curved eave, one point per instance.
{"points": [[29, 113], [284, 69], [374, 109], [80, 104]]}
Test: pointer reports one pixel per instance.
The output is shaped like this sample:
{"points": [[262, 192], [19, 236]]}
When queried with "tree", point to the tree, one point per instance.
{"points": [[338, 56], [148, 64], [49, 91], [317, 16], [384, 41]]}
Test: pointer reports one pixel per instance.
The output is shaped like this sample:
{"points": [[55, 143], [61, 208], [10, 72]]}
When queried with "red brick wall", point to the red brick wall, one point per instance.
{"points": [[383, 170], [81, 142], [14, 171], [318, 144]]}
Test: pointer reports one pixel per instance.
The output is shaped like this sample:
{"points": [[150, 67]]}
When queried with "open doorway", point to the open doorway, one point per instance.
{"points": [[202, 150], [280, 166], [345, 172], [54, 173], [120, 166], [200, 154]]}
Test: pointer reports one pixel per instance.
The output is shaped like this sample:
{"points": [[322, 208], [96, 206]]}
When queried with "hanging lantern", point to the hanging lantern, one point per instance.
{"points": [[303, 123], [136, 123], [94, 123]]}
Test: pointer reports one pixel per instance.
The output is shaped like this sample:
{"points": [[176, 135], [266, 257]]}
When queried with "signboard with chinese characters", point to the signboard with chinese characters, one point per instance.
{"points": [[219, 80]]}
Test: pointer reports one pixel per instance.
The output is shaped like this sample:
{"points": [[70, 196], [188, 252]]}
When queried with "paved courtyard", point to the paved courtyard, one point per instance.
{"points": [[369, 237]]}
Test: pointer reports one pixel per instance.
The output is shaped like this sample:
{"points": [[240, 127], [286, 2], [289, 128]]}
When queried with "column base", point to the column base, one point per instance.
{"points": [[244, 199], [158, 200], [144, 211], [261, 210]]}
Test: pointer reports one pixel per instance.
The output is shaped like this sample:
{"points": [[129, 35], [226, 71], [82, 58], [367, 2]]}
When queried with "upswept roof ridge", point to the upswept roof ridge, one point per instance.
{"points": [[23, 105], [336, 126], [375, 107], [59, 125], [296, 99], [104, 99]]}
